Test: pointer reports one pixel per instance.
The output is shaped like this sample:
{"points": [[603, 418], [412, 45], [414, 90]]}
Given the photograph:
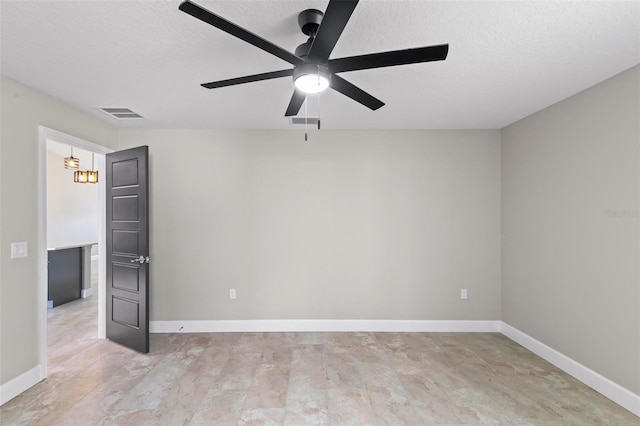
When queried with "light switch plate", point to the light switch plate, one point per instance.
{"points": [[19, 250]]}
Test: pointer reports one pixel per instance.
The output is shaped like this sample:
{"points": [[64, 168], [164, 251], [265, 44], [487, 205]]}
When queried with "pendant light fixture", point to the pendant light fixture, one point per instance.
{"points": [[92, 175], [71, 163], [86, 176], [80, 176]]}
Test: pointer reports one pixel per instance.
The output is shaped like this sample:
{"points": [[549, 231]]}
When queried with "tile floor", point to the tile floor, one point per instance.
{"points": [[300, 379]]}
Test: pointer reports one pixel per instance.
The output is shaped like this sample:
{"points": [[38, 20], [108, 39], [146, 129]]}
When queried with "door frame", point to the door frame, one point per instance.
{"points": [[45, 133]]}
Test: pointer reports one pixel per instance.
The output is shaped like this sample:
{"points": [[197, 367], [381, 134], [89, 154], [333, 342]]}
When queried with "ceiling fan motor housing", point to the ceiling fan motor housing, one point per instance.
{"points": [[302, 51], [309, 20]]}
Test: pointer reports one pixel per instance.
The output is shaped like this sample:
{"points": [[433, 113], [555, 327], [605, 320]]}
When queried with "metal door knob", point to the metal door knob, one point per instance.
{"points": [[138, 260]]}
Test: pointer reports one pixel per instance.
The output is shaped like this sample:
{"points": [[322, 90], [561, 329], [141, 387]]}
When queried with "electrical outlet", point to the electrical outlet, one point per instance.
{"points": [[463, 294], [232, 293]]}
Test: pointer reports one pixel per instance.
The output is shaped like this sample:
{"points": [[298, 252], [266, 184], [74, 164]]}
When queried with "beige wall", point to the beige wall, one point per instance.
{"points": [[570, 226], [22, 111], [73, 209], [350, 225]]}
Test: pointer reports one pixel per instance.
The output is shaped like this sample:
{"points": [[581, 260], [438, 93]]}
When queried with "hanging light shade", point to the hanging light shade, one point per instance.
{"points": [[86, 176], [81, 176], [92, 175], [71, 163]]}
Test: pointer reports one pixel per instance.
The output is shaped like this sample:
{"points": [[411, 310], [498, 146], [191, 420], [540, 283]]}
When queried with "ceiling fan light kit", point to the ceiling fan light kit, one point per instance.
{"points": [[311, 78], [313, 71]]}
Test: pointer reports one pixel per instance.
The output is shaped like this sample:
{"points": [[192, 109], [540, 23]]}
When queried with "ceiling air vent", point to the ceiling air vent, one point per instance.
{"points": [[311, 121], [121, 113]]}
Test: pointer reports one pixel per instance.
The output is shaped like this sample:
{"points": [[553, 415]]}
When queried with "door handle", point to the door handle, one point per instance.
{"points": [[138, 260]]}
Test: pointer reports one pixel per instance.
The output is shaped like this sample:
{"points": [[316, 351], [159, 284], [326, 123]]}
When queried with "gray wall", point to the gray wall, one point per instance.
{"points": [[379, 224], [350, 225], [570, 227], [23, 110]]}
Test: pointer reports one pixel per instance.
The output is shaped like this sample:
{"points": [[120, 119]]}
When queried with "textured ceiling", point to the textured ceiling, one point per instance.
{"points": [[507, 59]]}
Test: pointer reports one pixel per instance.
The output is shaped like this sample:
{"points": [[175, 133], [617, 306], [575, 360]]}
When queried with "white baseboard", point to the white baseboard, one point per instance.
{"points": [[231, 326], [15, 387], [596, 381], [86, 292]]}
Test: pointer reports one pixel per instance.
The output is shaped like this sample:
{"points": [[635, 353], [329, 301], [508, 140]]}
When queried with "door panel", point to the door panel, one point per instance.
{"points": [[125, 172], [125, 241], [128, 242], [126, 312], [125, 208], [126, 277]]}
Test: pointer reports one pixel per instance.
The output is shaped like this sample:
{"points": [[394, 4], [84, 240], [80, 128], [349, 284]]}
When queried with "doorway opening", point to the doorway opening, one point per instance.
{"points": [[51, 145]]}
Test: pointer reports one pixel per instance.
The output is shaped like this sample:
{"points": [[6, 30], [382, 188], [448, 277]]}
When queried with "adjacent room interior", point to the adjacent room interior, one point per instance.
{"points": [[369, 269]]}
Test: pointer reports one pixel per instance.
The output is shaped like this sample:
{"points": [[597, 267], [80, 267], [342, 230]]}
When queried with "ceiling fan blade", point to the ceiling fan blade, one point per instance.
{"points": [[343, 86], [248, 79], [239, 32], [297, 99], [333, 22], [389, 59]]}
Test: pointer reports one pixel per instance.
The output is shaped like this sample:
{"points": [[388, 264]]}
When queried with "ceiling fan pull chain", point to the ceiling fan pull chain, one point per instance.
{"points": [[318, 104], [306, 120]]}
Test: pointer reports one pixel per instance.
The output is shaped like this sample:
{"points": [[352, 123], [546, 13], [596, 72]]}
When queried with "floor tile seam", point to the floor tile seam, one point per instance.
{"points": [[407, 394], [525, 395], [87, 395], [505, 407], [412, 402], [366, 392], [193, 412], [477, 408], [288, 376], [323, 390], [63, 412], [87, 366], [198, 363], [65, 347]]}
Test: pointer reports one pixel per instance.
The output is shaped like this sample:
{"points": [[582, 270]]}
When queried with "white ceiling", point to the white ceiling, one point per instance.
{"points": [[507, 59]]}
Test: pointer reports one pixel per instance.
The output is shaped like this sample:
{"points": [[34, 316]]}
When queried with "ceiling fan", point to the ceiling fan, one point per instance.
{"points": [[312, 70]]}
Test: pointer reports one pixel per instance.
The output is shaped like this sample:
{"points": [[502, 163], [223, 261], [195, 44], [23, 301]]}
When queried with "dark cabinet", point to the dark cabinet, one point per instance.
{"points": [[65, 275]]}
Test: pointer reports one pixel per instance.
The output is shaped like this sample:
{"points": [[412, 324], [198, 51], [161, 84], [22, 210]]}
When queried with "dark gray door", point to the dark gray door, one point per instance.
{"points": [[128, 248]]}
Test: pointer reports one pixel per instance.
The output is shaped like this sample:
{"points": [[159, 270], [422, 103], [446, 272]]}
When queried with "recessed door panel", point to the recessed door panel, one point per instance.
{"points": [[125, 208], [126, 312], [125, 242], [126, 277], [124, 173]]}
